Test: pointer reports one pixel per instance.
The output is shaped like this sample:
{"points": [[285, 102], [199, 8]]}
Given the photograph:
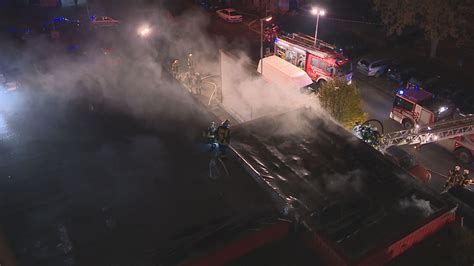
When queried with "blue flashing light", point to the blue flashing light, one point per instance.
{"points": [[58, 19], [401, 92]]}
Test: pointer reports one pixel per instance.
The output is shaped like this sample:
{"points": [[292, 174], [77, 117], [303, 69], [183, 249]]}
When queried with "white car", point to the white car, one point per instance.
{"points": [[229, 14], [104, 21], [373, 67]]}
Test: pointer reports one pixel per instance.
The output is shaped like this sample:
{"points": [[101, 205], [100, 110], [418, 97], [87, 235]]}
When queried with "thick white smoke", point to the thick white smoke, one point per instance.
{"points": [[424, 206], [248, 96]]}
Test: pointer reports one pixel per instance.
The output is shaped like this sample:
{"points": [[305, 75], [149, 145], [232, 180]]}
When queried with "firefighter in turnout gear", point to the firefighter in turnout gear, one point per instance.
{"points": [[211, 135], [223, 136], [357, 130], [466, 181], [175, 68], [453, 177], [369, 135]]}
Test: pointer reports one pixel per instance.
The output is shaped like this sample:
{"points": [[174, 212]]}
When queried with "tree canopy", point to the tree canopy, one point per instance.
{"points": [[343, 102], [438, 19]]}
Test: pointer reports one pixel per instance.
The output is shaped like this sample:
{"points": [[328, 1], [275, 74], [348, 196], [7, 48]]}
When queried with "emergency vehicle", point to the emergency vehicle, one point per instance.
{"points": [[323, 62], [419, 107], [462, 147]]}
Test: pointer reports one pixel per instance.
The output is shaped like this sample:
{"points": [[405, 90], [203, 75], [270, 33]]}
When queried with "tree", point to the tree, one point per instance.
{"points": [[438, 19], [343, 102]]}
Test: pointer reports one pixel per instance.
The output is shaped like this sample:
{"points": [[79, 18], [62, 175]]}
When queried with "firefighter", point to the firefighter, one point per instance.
{"points": [[211, 135], [223, 136], [466, 181], [357, 130], [453, 176], [211, 132], [366, 133], [175, 68], [197, 83], [190, 64]]}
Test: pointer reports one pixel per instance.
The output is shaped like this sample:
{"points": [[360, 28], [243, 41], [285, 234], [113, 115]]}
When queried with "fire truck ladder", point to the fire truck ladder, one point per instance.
{"points": [[307, 41], [430, 133]]}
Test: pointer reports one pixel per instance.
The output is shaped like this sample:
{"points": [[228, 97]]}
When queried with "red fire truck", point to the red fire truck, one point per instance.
{"points": [[462, 147], [419, 107], [322, 61]]}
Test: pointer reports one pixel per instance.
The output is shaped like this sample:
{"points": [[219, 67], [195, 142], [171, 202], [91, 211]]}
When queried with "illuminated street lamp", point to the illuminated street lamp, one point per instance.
{"points": [[318, 12], [144, 31], [266, 19]]}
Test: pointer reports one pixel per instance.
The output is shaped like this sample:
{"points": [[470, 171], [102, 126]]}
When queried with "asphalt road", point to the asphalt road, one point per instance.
{"points": [[377, 102]]}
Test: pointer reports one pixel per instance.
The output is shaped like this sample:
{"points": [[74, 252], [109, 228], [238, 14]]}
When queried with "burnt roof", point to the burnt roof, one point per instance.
{"points": [[343, 188]]}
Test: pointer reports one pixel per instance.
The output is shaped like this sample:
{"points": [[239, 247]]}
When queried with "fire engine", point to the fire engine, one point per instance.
{"points": [[434, 122], [419, 107], [462, 147], [455, 135], [323, 62]]}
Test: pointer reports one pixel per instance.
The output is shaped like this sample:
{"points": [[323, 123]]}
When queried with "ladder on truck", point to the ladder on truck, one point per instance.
{"points": [[307, 42], [430, 133]]}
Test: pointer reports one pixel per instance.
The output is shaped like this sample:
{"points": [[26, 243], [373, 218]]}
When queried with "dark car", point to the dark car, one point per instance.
{"points": [[460, 94], [350, 45], [61, 24], [21, 32], [211, 5], [422, 80], [408, 163], [400, 72], [464, 100]]}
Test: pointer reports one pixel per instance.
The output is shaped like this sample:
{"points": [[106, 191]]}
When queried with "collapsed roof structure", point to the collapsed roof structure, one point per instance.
{"points": [[360, 208]]}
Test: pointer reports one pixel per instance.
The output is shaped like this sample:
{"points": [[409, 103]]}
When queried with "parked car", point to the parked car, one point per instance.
{"points": [[422, 80], [400, 72], [229, 15], [464, 100], [104, 21], [373, 66], [408, 163], [211, 5], [350, 45], [62, 24]]}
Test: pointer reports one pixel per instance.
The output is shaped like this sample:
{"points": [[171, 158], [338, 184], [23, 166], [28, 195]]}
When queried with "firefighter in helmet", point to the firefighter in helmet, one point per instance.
{"points": [[223, 136], [357, 130], [366, 133], [211, 134], [175, 68], [453, 176], [465, 178]]}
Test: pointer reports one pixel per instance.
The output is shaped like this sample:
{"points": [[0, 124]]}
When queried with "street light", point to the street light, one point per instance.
{"points": [[144, 30], [318, 12], [266, 19]]}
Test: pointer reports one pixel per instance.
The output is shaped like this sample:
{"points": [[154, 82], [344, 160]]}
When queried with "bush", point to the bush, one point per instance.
{"points": [[343, 102]]}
